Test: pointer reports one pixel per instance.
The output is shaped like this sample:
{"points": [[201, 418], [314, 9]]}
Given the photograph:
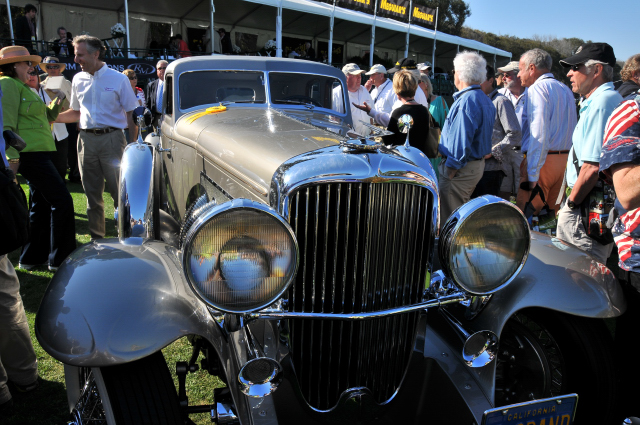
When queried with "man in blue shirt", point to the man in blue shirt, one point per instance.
{"points": [[591, 73], [466, 136]]}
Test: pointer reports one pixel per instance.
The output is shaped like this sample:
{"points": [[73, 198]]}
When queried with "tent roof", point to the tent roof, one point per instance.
{"points": [[299, 17]]}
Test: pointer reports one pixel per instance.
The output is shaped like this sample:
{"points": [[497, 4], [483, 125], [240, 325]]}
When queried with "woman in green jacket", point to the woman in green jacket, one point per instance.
{"points": [[52, 236]]}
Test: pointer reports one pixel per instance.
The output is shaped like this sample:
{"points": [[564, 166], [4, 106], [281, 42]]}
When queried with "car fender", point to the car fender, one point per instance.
{"points": [[560, 277], [112, 303], [557, 276]]}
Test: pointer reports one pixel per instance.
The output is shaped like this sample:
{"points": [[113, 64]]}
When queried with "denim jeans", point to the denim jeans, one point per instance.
{"points": [[53, 228]]}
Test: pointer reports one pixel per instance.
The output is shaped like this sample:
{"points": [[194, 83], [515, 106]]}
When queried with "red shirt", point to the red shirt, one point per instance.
{"points": [[183, 49]]}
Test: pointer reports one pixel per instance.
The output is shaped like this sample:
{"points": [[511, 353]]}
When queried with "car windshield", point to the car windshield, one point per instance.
{"points": [[209, 87], [306, 89]]}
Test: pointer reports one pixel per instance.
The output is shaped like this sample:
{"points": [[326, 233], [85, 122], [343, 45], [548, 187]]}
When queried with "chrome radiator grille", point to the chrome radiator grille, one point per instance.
{"points": [[363, 247]]}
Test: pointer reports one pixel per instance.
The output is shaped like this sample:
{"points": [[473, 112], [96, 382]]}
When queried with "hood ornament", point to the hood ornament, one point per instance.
{"points": [[362, 143]]}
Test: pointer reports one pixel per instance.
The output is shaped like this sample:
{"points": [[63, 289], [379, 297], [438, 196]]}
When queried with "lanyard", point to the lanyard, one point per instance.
{"points": [[380, 91]]}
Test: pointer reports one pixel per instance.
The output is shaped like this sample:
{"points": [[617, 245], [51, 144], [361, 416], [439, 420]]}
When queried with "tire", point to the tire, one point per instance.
{"points": [[546, 354], [140, 392]]}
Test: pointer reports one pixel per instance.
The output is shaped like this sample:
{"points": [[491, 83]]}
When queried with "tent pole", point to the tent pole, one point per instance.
{"points": [[435, 34], [126, 13], [373, 34], [406, 49], [330, 52], [279, 31], [10, 22], [212, 10]]}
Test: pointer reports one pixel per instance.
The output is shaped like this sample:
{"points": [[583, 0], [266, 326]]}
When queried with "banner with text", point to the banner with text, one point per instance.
{"points": [[396, 9], [361, 5], [423, 16]]}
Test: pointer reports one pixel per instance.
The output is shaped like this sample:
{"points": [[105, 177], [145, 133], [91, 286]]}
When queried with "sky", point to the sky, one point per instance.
{"points": [[598, 21]]}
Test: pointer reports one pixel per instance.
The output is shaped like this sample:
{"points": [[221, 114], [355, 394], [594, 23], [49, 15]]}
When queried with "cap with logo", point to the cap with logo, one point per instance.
{"points": [[597, 51], [511, 66], [404, 63], [352, 69], [375, 69]]}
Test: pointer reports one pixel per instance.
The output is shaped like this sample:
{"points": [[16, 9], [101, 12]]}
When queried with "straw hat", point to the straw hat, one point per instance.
{"points": [[52, 60], [13, 54]]}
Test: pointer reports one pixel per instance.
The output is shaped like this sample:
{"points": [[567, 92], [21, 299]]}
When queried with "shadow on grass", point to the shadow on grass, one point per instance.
{"points": [[45, 406]]}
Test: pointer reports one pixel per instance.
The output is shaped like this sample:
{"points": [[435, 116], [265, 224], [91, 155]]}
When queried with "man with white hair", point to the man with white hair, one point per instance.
{"points": [[466, 136], [517, 94], [591, 73], [551, 113], [357, 95], [383, 95]]}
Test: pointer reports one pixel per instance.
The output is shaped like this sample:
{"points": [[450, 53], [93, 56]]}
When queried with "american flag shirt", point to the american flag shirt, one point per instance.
{"points": [[622, 145]]}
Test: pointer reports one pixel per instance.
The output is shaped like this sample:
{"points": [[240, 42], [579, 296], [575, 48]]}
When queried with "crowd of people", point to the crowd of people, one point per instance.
{"points": [[553, 150], [528, 142]]}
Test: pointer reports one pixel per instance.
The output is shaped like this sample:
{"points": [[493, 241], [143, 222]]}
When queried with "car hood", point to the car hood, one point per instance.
{"points": [[254, 142]]}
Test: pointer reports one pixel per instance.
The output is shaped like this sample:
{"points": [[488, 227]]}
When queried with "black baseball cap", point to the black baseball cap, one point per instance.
{"points": [[597, 51], [404, 63]]}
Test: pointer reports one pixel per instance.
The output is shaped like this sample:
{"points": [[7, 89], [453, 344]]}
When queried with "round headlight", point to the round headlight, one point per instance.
{"points": [[484, 244], [240, 256]]}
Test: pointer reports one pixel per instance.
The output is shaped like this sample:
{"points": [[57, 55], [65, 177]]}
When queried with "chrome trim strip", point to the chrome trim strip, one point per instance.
{"points": [[278, 315]]}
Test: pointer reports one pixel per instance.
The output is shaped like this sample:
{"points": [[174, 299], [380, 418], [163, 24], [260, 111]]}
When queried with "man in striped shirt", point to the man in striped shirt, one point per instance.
{"points": [[551, 114], [620, 161]]}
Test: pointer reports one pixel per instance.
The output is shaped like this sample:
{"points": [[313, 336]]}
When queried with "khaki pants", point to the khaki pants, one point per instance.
{"points": [[99, 159], [550, 181], [455, 192], [571, 229], [18, 361]]}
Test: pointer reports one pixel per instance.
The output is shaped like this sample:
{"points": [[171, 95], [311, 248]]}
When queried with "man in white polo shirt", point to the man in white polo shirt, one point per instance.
{"points": [[383, 94], [103, 102]]}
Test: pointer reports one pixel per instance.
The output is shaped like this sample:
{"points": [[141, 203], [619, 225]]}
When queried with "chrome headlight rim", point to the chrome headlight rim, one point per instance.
{"points": [[239, 204], [454, 224]]}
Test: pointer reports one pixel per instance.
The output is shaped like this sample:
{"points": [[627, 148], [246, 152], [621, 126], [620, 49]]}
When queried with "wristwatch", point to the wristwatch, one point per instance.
{"points": [[571, 204]]}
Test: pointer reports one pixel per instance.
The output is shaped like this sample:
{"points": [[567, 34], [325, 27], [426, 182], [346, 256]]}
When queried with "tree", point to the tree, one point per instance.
{"points": [[451, 14]]}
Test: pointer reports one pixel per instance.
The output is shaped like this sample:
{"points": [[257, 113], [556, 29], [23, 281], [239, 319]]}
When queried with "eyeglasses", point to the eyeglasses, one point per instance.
{"points": [[508, 75], [34, 73], [53, 66], [162, 67], [133, 78], [575, 68], [29, 63]]}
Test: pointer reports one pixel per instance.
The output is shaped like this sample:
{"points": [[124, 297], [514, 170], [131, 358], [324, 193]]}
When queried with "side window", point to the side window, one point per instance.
{"points": [[168, 93]]}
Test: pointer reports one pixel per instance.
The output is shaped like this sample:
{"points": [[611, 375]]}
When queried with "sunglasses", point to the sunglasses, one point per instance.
{"points": [[53, 66], [34, 73], [508, 75], [575, 68], [133, 78], [29, 63], [163, 67]]}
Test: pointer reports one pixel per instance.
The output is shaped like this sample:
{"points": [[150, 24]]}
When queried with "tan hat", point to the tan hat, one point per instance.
{"points": [[352, 68], [375, 69], [13, 54], [511, 66], [52, 60]]}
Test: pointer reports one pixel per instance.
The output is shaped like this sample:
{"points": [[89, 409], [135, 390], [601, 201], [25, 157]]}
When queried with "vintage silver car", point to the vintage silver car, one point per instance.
{"points": [[309, 267]]}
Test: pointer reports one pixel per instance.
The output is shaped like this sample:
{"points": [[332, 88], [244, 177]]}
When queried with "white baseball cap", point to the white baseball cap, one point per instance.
{"points": [[352, 68], [424, 65], [377, 68]]}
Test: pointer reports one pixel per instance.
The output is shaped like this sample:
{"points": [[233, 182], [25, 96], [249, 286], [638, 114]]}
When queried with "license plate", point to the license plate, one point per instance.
{"points": [[549, 411]]}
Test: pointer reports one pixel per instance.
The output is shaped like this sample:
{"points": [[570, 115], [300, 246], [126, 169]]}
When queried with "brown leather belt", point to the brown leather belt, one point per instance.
{"points": [[556, 152], [99, 130]]}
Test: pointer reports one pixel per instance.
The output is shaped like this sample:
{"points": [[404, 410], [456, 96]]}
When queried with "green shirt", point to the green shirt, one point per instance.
{"points": [[25, 113]]}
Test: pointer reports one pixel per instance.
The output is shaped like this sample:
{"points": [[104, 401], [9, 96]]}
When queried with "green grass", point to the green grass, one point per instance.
{"points": [[48, 405]]}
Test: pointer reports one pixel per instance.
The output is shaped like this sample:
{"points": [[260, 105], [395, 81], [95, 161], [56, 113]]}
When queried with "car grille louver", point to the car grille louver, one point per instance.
{"points": [[364, 247]]}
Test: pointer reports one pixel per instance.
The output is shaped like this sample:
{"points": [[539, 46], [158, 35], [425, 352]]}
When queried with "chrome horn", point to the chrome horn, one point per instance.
{"points": [[261, 375], [479, 348]]}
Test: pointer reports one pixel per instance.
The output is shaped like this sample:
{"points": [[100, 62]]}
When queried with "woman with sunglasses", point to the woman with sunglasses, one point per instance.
{"points": [[52, 236]]}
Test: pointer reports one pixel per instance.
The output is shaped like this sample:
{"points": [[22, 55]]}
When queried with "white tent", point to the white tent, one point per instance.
{"points": [[299, 18]]}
